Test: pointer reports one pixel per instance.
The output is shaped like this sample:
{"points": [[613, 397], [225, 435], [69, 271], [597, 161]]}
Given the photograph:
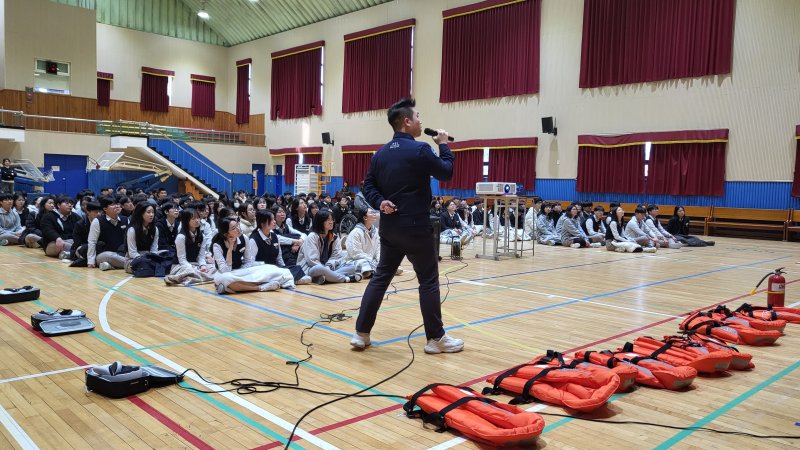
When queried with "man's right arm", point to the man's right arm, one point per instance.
{"points": [[441, 167]]}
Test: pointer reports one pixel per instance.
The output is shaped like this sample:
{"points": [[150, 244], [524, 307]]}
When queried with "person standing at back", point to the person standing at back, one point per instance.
{"points": [[398, 185]]}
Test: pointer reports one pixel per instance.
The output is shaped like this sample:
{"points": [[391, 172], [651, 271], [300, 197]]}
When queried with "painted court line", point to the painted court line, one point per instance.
{"points": [[16, 431], [44, 374], [103, 316], [728, 406]]}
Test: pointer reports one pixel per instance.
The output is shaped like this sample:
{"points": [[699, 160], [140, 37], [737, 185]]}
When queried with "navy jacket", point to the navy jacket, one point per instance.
{"points": [[400, 172]]}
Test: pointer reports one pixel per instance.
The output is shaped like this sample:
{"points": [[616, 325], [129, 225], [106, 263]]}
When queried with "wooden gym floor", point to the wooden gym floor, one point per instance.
{"points": [[508, 312]]}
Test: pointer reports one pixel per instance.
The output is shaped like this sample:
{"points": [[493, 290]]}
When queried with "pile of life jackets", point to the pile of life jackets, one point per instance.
{"points": [[585, 381]]}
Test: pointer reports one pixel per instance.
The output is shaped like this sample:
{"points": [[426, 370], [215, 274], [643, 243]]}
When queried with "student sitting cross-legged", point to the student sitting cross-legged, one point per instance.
{"points": [[80, 234], [264, 247], [107, 237], [616, 238], [142, 235], [57, 229], [234, 273], [190, 266], [321, 257], [635, 229]]}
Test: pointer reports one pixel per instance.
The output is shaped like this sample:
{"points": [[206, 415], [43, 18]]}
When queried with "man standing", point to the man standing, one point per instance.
{"points": [[398, 184], [7, 176]]}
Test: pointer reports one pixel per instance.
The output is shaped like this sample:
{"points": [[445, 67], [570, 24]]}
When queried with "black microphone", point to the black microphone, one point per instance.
{"points": [[433, 133]]}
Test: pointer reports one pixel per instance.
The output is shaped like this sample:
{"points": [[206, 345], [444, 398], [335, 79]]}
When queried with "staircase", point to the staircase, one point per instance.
{"points": [[193, 162]]}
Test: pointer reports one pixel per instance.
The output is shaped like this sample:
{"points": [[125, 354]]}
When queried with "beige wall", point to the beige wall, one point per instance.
{"points": [[759, 102], [37, 143], [123, 52], [2, 44], [45, 30]]}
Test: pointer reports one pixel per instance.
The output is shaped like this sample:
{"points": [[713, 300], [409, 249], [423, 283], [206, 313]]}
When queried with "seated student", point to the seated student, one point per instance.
{"points": [[300, 220], [545, 228], [233, 274], [451, 226], [611, 206], [477, 219], [656, 229], [465, 216], [587, 210], [21, 206], [594, 226], [555, 214], [168, 226], [436, 209], [190, 266], [142, 235], [33, 227], [290, 239], [57, 229], [341, 209], [635, 229], [208, 227], [10, 226], [313, 209], [616, 240], [110, 229], [571, 233], [364, 245], [321, 257], [247, 217], [260, 203], [126, 206], [264, 247], [678, 226], [80, 234]]}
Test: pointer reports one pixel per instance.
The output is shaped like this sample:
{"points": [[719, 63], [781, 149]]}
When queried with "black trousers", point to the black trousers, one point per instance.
{"points": [[417, 245]]}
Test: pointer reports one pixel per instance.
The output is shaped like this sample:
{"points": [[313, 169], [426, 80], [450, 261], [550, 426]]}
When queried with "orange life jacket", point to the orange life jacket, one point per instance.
{"points": [[550, 379], [739, 360], [734, 331], [649, 371], [681, 353], [758, 324], [477, 417], [791, 315]]}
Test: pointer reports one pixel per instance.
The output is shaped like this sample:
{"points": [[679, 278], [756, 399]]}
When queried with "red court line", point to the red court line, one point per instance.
{"points": [[166, 421], [372, 414]]}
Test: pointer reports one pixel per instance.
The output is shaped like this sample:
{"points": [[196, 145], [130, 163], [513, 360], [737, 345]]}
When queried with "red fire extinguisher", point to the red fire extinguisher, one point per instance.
{"points": [[776, 287]]}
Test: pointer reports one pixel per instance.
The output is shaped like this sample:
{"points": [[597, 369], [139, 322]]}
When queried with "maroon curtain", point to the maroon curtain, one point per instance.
{"points": [[695, 168], [634, 41], [296, 84], [489, 53], [796, 184], [467, 170], [288, 168], [355, 167], [377, 67], [154, 93], [103, 92], [616, 169], [312, 159], [243, 91], [513, 164], [203, 99]]}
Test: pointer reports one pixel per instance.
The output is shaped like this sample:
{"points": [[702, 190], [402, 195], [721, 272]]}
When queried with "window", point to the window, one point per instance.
{"points": [[51, 77], [300, 159], [647, 157], [486, 164], [322, 76], [169, 90]]}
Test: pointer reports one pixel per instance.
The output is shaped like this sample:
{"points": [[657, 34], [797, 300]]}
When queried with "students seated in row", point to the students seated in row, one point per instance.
{"points": [[571, 233], [168, 226], [190, 265], [80, 234], [545, 227], [616, 238], [477, 219], [635, 229], [107, 237], [57, 229], [678, 226], [594, 225], [233, 275], [264, 247], [465, 216], [452, 229], [33, 226], [10, 226], [657, 231], [321, 256], [142, 234]]}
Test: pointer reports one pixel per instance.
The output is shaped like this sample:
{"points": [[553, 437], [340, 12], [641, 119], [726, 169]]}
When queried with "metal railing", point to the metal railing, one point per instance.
{"points": [[19, 119]]}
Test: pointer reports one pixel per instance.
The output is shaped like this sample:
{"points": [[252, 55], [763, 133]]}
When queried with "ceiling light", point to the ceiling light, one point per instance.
{"points": [[203, 14]]}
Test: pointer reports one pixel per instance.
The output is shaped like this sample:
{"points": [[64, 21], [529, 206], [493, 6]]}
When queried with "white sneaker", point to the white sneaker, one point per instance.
{"points": [[576, 245], [675, 245], [360, 341], [399, 271], [63, 255], [445, 344], [649, 250], [104, 266], [271, 286], [305, 280], [3, 242], [220, 288], [548, 242], [465, 240], [596, 245]]}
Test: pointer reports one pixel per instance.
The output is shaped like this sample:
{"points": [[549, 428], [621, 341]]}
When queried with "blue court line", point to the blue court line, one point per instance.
{"points": [[728, 406], [242, 418], [558, 305]]}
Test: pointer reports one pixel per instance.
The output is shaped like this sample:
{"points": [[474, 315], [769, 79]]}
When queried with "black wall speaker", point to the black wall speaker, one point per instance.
{"points": [[327, 138], [548, 126]]}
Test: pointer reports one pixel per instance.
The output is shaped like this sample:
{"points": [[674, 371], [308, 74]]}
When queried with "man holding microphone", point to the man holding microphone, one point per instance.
{"points": [[398, 185]]}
